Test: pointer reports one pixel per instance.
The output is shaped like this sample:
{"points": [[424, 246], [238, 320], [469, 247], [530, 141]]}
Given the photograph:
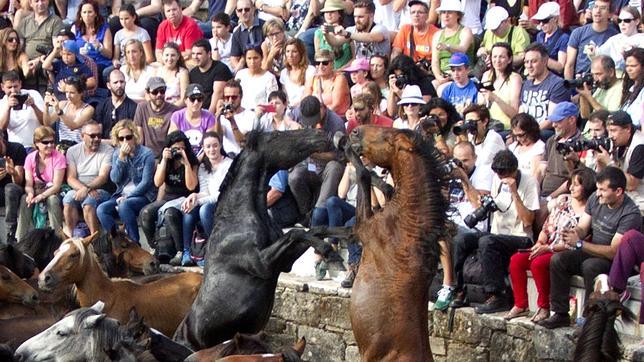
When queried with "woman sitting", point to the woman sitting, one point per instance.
{"points": [[173, 71], [256, 82], [438, 109], [200, 207], [128, 19], [71, 114], [12, 55], [329, 86], [633, 86], [44, 175], [563, 217], [378, 67], [409, 111], [526, 143], [93, 35], [296, 72], [452, 38], [193, 121], [176, 178], [136, 71], [132, 171], [333, 13], [404, 71], [273, 46]]}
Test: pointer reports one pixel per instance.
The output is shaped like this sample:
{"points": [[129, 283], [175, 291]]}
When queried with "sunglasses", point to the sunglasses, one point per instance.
{"points": [[322, 62], [195, 99], [243, 10], [545, 21], [157, 91], [123, 138], [13, 40], [232, 98], [410, 105], [93, 135], [46, 142], [72, 79], [627, 21]]}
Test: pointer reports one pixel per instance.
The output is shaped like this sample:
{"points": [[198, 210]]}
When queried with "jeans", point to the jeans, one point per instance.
{"points": [[354, 248], [205, 214], [12, 195], [305, 184], [127, 211]]}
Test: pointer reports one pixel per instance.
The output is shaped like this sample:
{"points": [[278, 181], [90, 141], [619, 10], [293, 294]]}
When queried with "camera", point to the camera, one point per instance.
{"points": [[44, 49], [401, 81], [583, 145], [579, 82], [329, 28], [424, 64], [228, 107], [487, 206], [466, 127], [176, 154], [451, 164], [21, 101], [488, 86]]}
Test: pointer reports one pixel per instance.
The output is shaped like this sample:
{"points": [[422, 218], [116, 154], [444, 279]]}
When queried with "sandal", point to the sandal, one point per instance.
{"points": [[516, 312], [541, 314]]}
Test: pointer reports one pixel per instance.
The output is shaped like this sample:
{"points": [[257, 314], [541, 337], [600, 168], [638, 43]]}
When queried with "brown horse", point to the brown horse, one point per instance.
{"points": [[131, 258], [400, 251], [15, 290], [248, 348], [163, 303]]}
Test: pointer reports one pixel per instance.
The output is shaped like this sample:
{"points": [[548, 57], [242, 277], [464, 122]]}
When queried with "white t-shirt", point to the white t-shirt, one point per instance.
{"points": [[246, 121], [615, 46], [506, 221], [23, 122], [256, 89], [471, 17], [294, 91], [88, 166], [386, 16], [636, 108], [223, 48], [270, 3], [121, 38], [525, 156], [485, 151], [481, 179], [135, 89]]}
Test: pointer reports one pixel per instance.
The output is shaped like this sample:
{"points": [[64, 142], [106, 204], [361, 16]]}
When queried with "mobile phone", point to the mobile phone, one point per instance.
{"points": [[329, 28], [268, 108], [21, 101], [3, 162]]}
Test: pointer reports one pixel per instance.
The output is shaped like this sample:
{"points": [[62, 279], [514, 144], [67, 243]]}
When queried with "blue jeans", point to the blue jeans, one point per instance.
{"points": [[127, 211], [206, 214], [307, 37]]}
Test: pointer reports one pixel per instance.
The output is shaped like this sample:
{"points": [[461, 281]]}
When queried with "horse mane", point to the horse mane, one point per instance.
{"points": [[103, 249], [599, 340], [230, 175]]}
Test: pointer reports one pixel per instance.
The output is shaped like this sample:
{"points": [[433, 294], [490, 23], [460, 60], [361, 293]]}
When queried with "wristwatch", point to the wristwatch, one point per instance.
{"points": [[580, 244]]}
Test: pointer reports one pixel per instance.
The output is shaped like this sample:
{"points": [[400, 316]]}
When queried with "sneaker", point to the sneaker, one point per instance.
{"points": [[201, 263], [320, 270], [348, 280], [556, 320], [176, 261], [186, 260], [493, 304], [459, 300], [445, 296]]}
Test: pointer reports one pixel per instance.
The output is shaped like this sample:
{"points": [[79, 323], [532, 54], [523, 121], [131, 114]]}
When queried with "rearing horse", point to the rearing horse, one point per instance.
{"points": [[246, 250], [400, 244]]}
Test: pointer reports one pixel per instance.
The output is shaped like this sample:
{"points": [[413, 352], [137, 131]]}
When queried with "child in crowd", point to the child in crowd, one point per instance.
{"points": [[221, 40], [359, 72]]}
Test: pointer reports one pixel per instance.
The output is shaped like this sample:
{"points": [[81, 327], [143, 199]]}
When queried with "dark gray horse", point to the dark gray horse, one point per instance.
{"points": [[247, 251], [18, 262]]}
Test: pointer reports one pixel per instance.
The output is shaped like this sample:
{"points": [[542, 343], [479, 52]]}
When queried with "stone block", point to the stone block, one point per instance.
{"points": [[322, 345], [493, 321], [349, 338], [324, 287], [275, 325], [555, 344], [506, 348], [278, 341], [334, 311], [352, 354], [344, 292], [301, 307], [292, 282], [520, 330], [467, 326], [437, 345], [460, 352]]}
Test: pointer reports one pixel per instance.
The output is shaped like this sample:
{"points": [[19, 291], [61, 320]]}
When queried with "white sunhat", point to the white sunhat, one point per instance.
{"points": [[547, 10], [411, 94]]}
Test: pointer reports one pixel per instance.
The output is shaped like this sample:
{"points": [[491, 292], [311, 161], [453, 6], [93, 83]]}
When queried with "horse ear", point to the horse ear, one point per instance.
{"points": [[134, 316], [91, 321], [98, 306], [88, 240]]}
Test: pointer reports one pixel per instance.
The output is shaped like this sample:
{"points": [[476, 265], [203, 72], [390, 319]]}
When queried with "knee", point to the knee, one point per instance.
{"points": [[53, 201], [296, 176], [12, 190], [333, 202], [173, 215], [148, 214], [557, 262], [88, 210]]}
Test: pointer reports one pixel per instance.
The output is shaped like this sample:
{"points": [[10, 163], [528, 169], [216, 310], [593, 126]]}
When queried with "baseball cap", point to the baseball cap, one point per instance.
{"points": [[563, 110], [155, 83], [459, 59], [619, 118], [310, 110], [358, 64], [494, 17], [66, 32], [547, 10], [194, 89], [72, 46]]}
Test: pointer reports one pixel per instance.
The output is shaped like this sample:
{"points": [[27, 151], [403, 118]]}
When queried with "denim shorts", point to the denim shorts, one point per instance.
{"points": [[89, 200]]}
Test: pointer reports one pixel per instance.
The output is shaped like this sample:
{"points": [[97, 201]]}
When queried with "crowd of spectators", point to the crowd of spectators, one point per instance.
{"points": [[125, 110]]}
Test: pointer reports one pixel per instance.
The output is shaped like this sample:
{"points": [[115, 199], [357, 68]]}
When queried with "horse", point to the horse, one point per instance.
{"points": [[15, 331], [18, 262], [40, 244], [247, 251], [163, 303], [248, 348], [121, 257], [15, 290], [390, 294], [86, 334]]}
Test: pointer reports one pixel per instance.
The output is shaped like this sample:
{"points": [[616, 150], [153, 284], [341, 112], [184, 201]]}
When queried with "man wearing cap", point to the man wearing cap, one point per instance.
{"points": [[415, 39], [556, 174], [211, 74], [248, 34], [608, 89], [626, 153], [461, 91], [498, 28], [177, 28], [567, 13], [70, 64], [185, 118], [321, 173], [367, 37], [117, 107], [585, 39], [542, 89], [363, 109], [152, 118], [551, 36], [592, 245]]}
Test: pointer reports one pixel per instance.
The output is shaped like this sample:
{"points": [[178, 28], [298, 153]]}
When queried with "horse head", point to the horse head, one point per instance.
{"points": [[132, 254], [15, 290], [20, 263], [70, 263], [381, 145]]}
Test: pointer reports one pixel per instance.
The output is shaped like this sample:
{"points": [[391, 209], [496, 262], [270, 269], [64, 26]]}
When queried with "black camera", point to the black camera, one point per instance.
{"points": [[424, 64], [228, 107], [579, 82], [44, 49], [176, 154], [451, 165], [466, 127], [401, 81], [487, 206], [488, 86], [583, 145], [21, 101]]}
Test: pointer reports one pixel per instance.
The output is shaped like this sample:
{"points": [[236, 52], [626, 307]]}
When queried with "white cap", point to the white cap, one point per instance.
{"points": [[450, 5], [547, 10], [411, 95], [494, 16]]}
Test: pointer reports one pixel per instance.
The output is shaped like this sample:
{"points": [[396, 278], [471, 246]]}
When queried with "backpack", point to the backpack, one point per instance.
{"points": [[473, 279], [198, 245], [164, 248]]}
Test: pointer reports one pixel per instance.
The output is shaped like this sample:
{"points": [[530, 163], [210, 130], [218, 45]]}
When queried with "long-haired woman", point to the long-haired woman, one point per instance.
{"points": [[71, 114], [257, 82], [130, 30], [504, 100], [173, 70], [633, 84], [136, 71], [527, 145], [12, 54], [93, 34], [296, 72]]}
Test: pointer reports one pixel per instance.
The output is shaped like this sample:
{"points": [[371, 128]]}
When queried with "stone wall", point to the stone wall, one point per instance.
{"points": [[319, 311]]}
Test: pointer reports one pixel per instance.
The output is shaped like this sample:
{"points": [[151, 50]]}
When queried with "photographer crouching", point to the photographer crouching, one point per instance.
{"points": [[475, 129], [513, 201]]}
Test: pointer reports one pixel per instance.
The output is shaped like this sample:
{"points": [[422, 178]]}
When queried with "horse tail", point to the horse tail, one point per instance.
{"points": [[599, 340]]}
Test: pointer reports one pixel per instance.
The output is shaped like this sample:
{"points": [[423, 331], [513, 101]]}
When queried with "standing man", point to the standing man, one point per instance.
{"points": [[415, 39], [153, 117], [179, 29], [116, 107], [211, 74], [20, 110], [88, 169], [12, 179], [248, 33]]}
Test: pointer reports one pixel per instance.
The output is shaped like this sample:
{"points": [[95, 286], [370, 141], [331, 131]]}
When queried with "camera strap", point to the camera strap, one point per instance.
{"points": [[412, 44]]}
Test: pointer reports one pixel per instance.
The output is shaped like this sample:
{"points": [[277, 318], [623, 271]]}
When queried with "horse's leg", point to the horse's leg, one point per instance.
{"points": [[363, 201]]}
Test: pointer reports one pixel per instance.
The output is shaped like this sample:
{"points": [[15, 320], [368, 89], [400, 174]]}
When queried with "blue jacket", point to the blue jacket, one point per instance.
{"points": [[139, 169]]}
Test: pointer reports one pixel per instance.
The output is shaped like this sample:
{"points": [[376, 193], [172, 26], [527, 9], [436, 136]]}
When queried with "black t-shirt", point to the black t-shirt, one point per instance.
{"points": [[107, 116], [606, 222], [636, 166], [217, 72], [426, 87], [175, 182], [17, 153]]}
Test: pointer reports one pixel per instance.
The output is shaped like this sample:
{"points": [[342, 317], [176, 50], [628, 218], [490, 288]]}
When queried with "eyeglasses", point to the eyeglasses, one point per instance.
{"points": [[271, 35], [13, 40], [243, 10], [322, 62], [195, 99], [545, 21], [46, 142], [157, 91], [627, 21], [519, 135], [473, 120], [124, 138], [231, 97], [93, 135]]}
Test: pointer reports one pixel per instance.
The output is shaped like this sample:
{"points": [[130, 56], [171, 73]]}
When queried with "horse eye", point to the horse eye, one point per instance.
{"points": [[61, 333], [75, 255]]}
